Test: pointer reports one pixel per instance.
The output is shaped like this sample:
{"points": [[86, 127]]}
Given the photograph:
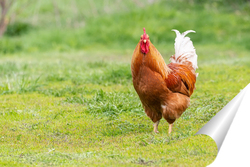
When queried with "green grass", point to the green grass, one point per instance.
{"points": [[67, 97], [70, 112], [217, 23]]}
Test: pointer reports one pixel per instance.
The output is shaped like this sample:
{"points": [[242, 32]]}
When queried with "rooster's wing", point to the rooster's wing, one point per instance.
{"points": [[181, 79]]}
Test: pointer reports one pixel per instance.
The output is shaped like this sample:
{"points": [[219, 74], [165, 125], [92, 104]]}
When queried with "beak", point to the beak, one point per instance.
{"points": [[144, 40]]}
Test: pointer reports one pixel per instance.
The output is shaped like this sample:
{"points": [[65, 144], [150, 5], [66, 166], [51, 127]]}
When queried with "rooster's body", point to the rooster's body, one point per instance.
{"points": [[164, 90]]}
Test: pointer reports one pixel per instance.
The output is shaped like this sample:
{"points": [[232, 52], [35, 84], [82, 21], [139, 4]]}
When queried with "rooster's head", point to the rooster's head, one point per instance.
{"points": [[144, 42]]}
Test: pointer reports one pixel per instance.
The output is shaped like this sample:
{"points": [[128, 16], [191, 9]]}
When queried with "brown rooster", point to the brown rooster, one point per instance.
{"points": [[164, 90]]}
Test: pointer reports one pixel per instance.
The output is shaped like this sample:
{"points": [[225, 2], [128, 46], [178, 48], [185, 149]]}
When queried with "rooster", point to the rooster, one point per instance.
{"points": [[164, 90]]}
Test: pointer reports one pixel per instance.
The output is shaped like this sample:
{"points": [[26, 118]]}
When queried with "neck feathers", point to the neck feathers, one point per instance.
{"points": [[152, 60]]}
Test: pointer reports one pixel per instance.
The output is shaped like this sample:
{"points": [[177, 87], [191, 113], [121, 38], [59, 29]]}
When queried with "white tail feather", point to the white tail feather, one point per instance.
{"points": [[184, 49]]}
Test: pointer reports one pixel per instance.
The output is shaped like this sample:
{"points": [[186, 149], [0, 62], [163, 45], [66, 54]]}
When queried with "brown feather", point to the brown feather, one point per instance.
{"points": [[164, 90], [181, 76]]}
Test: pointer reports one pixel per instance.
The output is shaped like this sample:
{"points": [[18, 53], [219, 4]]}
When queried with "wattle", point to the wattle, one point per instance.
{"points": [[144, 47]]}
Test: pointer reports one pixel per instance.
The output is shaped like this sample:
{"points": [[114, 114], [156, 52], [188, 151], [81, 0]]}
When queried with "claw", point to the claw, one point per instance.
{"points": [[156, 126], [170, 128]]}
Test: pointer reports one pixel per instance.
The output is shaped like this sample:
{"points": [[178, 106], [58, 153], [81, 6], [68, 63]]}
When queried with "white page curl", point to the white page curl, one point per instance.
{"points": [[230, 129]]}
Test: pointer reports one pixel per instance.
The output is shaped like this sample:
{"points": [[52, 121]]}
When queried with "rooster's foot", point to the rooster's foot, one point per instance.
{"points": [[156, 126], [170, 128]]}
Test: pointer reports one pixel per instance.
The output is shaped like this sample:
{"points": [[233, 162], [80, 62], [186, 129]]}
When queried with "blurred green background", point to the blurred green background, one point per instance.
{"points": [[50, 25]]}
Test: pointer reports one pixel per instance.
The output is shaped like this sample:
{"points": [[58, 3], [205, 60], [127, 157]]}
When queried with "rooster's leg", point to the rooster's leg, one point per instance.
{"points": [[170, 128], [156, 126]]}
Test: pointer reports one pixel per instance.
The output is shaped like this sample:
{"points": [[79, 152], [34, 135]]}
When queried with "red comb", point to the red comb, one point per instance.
{"points": [[144, 42], [144, 35]]}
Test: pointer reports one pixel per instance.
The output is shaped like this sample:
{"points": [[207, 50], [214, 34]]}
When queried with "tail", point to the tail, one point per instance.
{"points": [[184, 50]]}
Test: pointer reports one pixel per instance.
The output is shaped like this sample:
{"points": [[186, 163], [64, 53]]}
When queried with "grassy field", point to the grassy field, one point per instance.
{"points": [[67, 97]]}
